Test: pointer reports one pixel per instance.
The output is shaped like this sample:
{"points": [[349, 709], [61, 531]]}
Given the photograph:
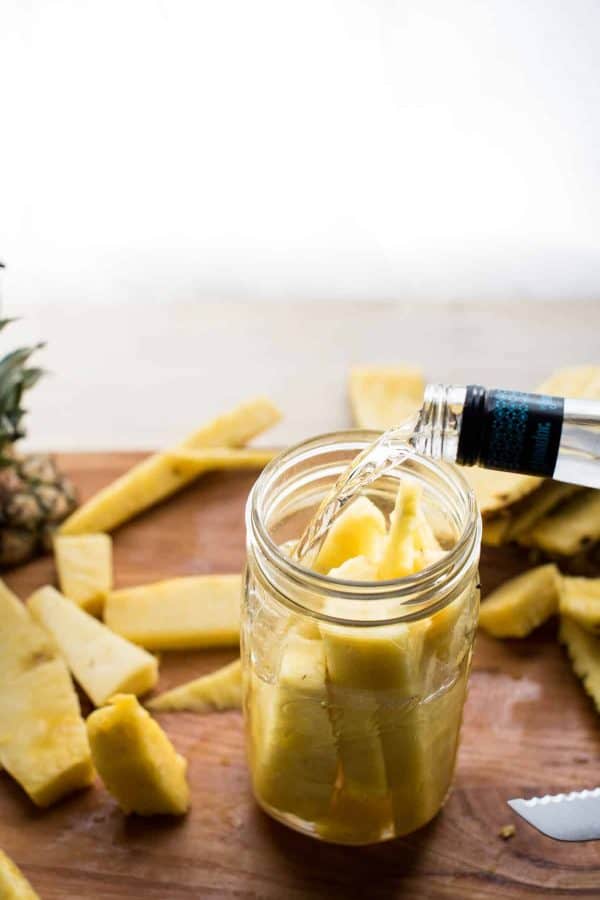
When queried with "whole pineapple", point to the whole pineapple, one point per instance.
{"points": [[34, 496]]}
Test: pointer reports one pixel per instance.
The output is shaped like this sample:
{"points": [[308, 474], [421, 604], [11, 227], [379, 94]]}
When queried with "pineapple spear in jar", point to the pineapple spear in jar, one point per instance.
{"points": [[35, 496]]}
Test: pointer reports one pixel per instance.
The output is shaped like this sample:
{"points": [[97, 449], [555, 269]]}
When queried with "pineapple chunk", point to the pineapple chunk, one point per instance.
{"points": [[217, 690], [102, 662], [568, 530], [545, 500], [43, 744], [23, 644], [195, 611], [495, 531], [136, 760], [359, 531], [521, 604], [359, 568], [384, 396], [497, 490], [13, 884], [84, 564], [580, 600], [293, 746], [400, 557], [426, 543], [352, 661], [584, 651], [195, 462], [159, 476]]}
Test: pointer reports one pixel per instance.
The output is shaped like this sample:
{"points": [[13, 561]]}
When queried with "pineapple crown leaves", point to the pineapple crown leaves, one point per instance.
{"points": [[16, 377]]}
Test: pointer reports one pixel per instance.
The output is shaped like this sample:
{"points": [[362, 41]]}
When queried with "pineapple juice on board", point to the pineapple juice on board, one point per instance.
{"points": [[355, 669]]}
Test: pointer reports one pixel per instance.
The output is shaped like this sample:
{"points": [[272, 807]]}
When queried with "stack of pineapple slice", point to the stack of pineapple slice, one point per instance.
{"points": [[56, 635]]}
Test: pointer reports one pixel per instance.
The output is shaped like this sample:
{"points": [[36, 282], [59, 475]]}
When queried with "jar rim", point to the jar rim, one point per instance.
{"points": [[411, 590]]}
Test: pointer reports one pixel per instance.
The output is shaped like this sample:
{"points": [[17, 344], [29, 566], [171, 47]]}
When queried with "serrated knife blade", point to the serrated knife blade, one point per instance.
{"points": [[564, 817]]}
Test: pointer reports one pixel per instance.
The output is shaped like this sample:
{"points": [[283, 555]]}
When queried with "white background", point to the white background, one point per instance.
{"points": [[182, 150], [177, 178]]}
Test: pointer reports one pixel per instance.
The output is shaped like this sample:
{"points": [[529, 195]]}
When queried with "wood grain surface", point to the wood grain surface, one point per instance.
{"points": [[528, 728]]}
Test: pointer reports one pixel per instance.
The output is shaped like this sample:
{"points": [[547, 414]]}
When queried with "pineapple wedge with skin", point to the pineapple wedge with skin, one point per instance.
{"points": [[521, 604], [102, 662], [580, 600], [13, 884], [136, 760], [43, 744], [584, 652], [359, 531], [568, 530], [180, 613], [84, 564], [218, 690], [159, 476]]}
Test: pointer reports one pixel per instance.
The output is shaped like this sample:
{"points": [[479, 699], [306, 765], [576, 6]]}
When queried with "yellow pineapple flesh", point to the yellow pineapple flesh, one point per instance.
{"points": [[584, 652], [384, 396], [187, 612], [400, 556], [359, 531], [160, 475], [294, 764], [522, 603], [102, 662], [580, 600], [218, 690], [136, 760], [84, 564], [195, 462], [13, 884], [43, 743]]}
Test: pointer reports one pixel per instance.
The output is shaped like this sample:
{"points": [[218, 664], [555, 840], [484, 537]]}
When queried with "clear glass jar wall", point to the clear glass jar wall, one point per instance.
{"points": [[354, 691]]}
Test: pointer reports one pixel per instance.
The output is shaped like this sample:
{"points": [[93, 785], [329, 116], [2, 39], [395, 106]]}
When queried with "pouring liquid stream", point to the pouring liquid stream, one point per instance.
{"points": [[386, 453]]}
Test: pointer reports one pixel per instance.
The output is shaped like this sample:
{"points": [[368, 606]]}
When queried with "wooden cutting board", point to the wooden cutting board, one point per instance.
{"points": [[528, 729]]}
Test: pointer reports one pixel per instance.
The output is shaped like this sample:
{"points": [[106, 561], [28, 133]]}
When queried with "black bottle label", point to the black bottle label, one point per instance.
{"points": [[511, 431]]}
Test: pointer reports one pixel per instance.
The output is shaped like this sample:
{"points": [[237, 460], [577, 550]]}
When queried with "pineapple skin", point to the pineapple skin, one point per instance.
{"points": [[34, 499], [84, 564], [136, 761], [13, 884], [102, 662]]}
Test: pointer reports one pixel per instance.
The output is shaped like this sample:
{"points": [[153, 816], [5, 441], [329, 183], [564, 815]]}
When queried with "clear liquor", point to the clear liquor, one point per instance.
{"points": [[551, 437]]}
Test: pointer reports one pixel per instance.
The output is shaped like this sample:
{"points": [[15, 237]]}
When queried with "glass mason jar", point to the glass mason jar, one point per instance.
{"points": [[354, 691]]}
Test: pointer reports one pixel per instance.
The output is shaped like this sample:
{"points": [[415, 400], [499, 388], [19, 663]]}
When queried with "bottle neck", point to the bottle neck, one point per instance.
{"points": [[507, 430], [437, 430]]}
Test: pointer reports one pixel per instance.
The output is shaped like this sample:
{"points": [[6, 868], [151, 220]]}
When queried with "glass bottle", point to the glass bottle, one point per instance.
{"points": [[552, 437], [354, 691]]}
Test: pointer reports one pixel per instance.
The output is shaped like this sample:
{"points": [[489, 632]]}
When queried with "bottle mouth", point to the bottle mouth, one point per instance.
{"points": [[298, 478]]}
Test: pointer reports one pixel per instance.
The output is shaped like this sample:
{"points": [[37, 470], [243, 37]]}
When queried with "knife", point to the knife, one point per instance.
{"points": [[564, 817]]}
